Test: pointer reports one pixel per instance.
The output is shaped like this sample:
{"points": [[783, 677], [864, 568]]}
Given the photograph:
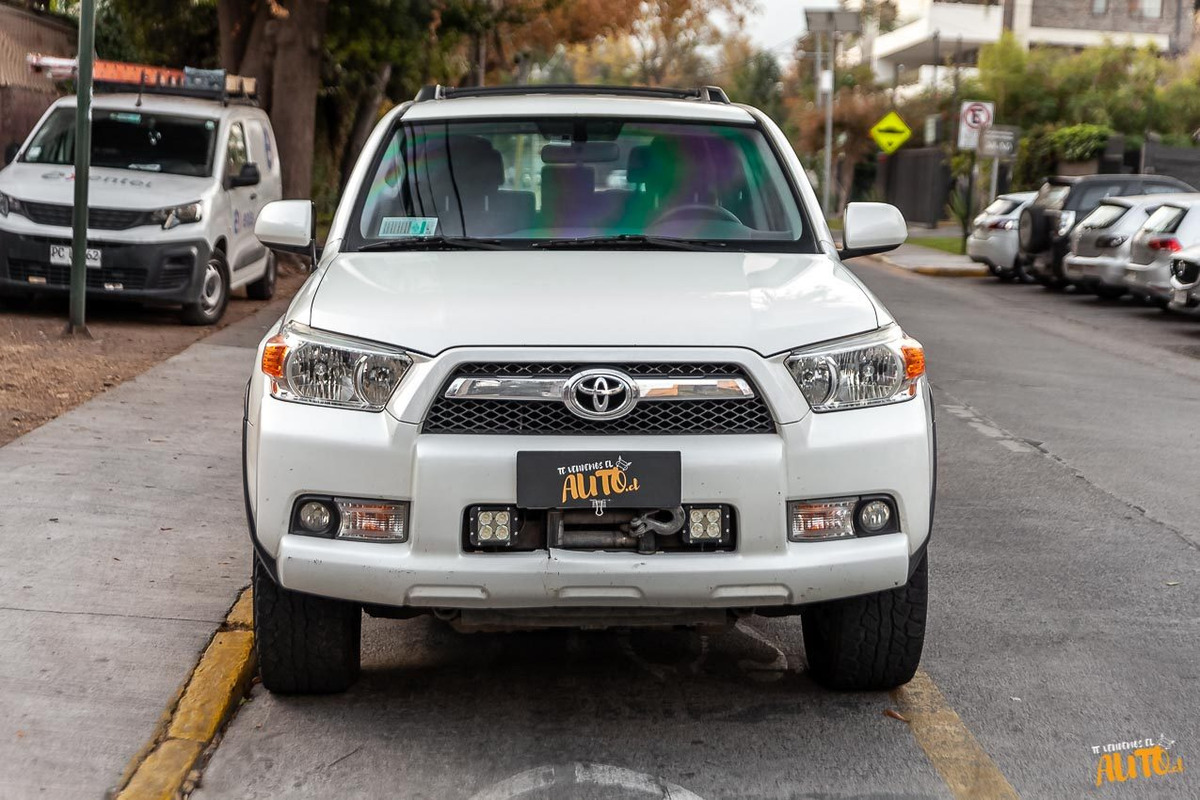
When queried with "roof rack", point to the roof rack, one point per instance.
{"points": [[705, 94], [118, 76]]}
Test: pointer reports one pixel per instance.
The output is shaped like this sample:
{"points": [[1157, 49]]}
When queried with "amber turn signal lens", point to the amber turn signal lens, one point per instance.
{"points": [[914, 359], [273, 356]]}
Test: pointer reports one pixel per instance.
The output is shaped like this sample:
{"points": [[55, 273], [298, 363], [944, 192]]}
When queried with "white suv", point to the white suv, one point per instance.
{"points": [[586, 357]]}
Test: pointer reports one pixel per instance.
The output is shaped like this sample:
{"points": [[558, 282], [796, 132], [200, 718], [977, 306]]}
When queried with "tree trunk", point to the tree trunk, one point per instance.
{"points": [[364, 121], [296, 80]]}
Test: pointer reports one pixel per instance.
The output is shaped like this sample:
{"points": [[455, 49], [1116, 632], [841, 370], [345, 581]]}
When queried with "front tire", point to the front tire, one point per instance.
{"points": [[306, 644], [209, 307], [871, 642]]}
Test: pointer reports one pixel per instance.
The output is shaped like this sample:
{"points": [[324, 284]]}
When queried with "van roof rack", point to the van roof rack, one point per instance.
{"points": [[705, 94], [119, 76]]}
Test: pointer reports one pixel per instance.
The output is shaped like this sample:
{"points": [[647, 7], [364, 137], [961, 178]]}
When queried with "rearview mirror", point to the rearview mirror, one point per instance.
{"points": [[870, 228], [10, 152], [289, 226], [248, 176]]}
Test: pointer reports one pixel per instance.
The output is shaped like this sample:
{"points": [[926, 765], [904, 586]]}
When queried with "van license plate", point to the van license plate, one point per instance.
{"points": [[60, 256], [597, 479]]}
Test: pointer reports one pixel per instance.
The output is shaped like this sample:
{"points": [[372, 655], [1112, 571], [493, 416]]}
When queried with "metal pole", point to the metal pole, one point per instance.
{"points": [[829, 125], [995, 179], [817, 76], [83, 159]]}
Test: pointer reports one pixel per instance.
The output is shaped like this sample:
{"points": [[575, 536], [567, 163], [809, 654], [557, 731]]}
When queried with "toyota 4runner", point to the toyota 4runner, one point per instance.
{"points": [[586, 357]]}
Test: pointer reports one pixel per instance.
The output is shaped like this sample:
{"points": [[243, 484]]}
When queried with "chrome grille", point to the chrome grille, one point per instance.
{"points": [[477, 416]]}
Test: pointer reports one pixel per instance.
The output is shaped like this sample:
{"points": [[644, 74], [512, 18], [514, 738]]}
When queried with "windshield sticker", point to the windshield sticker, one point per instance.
{"points": [[395, 227], [122, 116]]}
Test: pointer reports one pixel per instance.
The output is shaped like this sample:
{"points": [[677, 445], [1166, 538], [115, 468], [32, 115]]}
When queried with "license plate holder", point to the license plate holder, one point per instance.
{"points": [[598, 479], [60, 256]]}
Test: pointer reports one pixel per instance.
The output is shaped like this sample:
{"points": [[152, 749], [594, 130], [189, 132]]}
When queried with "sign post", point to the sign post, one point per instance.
{"points": [[999, 143], [83, 158]]}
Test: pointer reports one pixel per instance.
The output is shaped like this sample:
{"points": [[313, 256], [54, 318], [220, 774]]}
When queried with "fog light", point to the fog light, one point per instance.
{"points": [[816, 520], [372, 520], [874, 516], [706, 525], [315, 517], [493, 527]]}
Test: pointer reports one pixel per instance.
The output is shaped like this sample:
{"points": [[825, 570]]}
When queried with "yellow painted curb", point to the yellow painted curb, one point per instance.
{"points": [[209, 698], [965, 767]]}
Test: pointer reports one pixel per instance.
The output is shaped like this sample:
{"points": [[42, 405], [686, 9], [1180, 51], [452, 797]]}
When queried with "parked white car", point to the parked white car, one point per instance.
{"points": [[1185, 281], [994, 236], [1101, 242], [667, 404], [176, 186], [1172, 228]]}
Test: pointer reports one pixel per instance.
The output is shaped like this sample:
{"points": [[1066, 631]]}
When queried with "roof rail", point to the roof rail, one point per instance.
{"points": [[706, 94]]}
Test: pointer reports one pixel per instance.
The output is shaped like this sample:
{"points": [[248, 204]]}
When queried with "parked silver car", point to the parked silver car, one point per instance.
{"points": [[1185, 281], [1170, 229], [1101, 242], [993, 240]]}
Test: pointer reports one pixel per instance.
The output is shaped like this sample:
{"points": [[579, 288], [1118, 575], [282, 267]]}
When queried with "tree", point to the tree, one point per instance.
{"points": [[670, 37]]}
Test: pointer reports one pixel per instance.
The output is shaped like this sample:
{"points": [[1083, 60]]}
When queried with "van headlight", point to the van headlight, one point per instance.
{"points": [[177, 215], [872, 369], [311, 366], [9, 205]]}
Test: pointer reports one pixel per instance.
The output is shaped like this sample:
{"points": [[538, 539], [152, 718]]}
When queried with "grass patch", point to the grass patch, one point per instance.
{"points": [[948, 244]]}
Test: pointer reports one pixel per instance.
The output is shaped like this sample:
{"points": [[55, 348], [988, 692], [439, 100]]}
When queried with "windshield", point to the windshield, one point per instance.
{"points": [[538, 181], [136, 140]]}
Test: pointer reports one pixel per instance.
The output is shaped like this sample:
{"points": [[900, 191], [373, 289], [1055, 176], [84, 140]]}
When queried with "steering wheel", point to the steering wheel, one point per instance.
{"points": [[699, 211]]}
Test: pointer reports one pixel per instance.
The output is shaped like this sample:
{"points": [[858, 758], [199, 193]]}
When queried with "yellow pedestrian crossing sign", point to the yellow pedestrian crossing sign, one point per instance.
{"points": [[890, 132]]}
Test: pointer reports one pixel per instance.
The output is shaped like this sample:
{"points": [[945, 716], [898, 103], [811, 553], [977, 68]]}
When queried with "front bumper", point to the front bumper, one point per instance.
{"points": [[166, 271], [1095, 271], [1185, 298], [294, 449]]}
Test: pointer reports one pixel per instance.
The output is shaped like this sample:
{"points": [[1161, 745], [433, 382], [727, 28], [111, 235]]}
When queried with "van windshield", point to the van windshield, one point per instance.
{"points": [[137, 140], [536, 182]]}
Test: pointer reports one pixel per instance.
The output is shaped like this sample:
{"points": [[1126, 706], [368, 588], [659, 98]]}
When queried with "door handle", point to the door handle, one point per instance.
{"points": [[254, 196]]}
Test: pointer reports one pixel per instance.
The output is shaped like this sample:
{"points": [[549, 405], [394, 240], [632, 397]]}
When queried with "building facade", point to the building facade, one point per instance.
{"points": [[23, 95]]}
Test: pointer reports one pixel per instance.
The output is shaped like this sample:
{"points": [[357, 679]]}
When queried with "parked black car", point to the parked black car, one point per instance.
{"points": [[1044, 230]]}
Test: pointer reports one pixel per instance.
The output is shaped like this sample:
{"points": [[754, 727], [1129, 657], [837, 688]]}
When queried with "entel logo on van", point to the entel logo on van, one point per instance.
{"points": [[109, 179], [243, 219]]}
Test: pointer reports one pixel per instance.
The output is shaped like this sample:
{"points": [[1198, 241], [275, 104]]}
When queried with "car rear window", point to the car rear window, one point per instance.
{"points": [[1053, 195], [1105, 215], [1089, 196], [1000, 206], [1165, 220]]}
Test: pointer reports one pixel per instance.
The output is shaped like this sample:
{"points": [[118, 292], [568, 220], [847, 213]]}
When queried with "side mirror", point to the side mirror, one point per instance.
{"points": [[10, 152], [870, 228], [249, 176], [289, 226]]}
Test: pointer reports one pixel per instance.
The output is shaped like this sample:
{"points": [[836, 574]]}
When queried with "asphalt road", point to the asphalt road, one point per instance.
{"points": [[1065, 579]]}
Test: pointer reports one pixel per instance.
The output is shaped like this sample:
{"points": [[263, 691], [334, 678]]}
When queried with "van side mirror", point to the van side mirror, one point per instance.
{"points": [[248, 176], [289, 226], [10, 152], [870, 228]]}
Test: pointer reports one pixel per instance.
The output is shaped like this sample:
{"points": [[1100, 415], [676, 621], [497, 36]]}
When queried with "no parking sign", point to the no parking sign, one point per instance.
{"points": [[973, 118]]}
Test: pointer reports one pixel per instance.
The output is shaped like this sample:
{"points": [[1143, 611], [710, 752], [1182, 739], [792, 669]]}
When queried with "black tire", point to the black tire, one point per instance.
{"points": [[871, 642], [1055, 284], [213, 294], [1032, 231], [1007, 275], [1110, 292], [306, 644], [264, 287]]}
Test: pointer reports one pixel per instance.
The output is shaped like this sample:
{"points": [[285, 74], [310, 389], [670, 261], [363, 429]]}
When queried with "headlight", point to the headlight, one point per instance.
{"points": [[311, 366], [871, 369], [9, 205], [1066, 219], [170, 217]]}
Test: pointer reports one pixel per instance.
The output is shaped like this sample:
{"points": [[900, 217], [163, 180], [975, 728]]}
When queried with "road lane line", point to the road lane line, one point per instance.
{"points": [[965, 767], [192, 720]]}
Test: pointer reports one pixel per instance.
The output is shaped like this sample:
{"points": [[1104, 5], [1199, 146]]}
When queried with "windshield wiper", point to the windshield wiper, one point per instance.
{"points": [[435, 243], [638, 239]]}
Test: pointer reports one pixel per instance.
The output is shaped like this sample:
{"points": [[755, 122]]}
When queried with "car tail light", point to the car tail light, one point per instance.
{"points": [[1169, 244], [1002, 225]]}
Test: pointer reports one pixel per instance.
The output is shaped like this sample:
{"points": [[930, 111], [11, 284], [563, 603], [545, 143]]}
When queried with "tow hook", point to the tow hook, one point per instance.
{"points": [[647, 526]]}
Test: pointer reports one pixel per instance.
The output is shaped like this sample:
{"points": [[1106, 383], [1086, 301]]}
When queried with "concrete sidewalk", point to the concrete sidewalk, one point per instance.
{"points": [[122, 545], [930, 261]]}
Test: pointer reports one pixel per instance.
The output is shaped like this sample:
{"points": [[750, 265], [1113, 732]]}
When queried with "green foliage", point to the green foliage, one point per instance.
{"points": [[756, 82], [166, 32], [1080, 142], [1036, 158], [960, 207]]}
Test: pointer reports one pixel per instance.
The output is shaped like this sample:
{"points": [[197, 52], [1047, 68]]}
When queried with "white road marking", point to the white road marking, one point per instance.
{"points": [[581, 774], [989, 429]]}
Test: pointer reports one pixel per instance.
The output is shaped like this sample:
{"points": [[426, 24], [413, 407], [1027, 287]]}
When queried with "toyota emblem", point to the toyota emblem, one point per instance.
{"points": [[600, 394]]}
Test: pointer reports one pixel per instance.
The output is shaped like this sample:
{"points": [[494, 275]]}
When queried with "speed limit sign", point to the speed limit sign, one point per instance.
{"points": [[973, 118]]}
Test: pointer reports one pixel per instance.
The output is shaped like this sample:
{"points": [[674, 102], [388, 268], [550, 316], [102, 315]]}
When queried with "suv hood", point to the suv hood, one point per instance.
{"points": [[432, 301], [108, 188]]}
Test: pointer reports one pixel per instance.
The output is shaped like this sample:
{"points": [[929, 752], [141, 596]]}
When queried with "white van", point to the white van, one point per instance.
{"points": [[176, 185]]}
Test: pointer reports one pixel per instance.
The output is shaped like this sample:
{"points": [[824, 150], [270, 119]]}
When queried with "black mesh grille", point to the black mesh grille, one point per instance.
{"points": [[475, 416], [108, 219], [55, 275]]}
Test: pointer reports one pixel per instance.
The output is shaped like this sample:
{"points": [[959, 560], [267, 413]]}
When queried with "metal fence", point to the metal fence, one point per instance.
{"points": [[1177, 162], [917, 181]]}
